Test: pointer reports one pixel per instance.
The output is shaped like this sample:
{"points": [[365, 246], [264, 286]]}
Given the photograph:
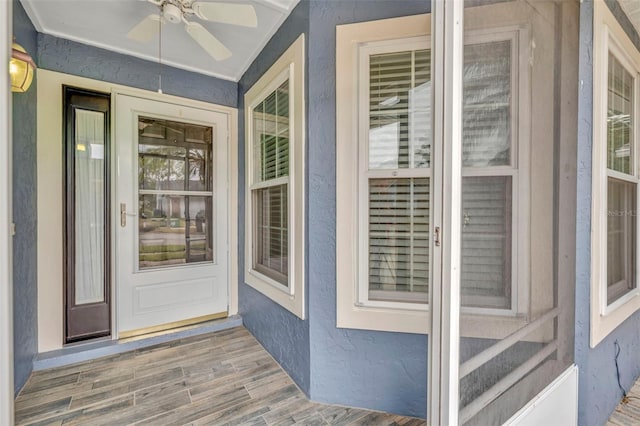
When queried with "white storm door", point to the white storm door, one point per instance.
{"points": [[171, 213]]}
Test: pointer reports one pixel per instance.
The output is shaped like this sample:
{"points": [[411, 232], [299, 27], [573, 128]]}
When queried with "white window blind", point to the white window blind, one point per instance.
{"points": [[399, 239], [487, 104], [399, 110], [486, 241], [398, 207], [488, 184], [399, 142]]}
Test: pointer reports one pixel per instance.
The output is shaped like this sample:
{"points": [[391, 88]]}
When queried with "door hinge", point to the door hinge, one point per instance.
{"points": [[436, 237]]}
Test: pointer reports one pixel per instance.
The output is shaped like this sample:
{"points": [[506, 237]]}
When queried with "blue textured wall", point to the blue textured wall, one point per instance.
{"points": [[378, 370], [25, 286], [383, 371], [283, 334], [598, 389], [58, 54]]}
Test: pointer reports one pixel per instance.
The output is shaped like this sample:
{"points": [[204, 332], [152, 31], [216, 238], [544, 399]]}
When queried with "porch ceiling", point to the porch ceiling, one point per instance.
{"points": [[632, 10], [105, 24]]}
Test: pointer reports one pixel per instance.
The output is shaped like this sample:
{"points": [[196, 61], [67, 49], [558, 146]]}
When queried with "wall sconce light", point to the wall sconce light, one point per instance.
{"points": [[21, 69]]}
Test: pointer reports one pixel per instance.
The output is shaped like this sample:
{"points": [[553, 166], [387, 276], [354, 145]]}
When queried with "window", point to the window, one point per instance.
{"points": [[396, 167], [490, 170], [387, 234], [175, 194], [274, 111], [87, 268], [615, 176]]}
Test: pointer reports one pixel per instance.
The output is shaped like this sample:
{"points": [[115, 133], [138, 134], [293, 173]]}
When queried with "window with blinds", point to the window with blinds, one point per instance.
{"points": [[399, 187], [488, 190], [397, 169], [270, 186]]}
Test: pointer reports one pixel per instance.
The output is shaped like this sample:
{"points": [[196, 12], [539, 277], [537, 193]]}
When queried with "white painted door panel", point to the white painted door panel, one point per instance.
{"points": [[171, 261]]}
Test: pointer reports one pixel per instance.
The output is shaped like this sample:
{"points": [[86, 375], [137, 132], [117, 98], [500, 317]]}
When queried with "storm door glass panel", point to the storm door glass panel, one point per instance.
{"points": [[89, 206], [270, 189], [399, 141], [175, 193], [516, 312]]}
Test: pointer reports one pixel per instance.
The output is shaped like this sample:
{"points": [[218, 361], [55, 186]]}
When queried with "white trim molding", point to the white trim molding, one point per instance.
{"points": [[6, 281], [289, 290], [409, 317], [610, 39]]}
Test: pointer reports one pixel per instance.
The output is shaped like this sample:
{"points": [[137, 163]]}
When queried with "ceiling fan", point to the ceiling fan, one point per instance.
{"points": [[180, 11]]}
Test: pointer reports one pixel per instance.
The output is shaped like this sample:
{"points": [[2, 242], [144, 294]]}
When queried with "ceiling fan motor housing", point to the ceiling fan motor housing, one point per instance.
{"points": [[172, 13]]}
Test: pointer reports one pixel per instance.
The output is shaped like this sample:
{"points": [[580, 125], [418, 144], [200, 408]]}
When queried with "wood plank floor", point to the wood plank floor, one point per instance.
{"points": [[222, 378]]}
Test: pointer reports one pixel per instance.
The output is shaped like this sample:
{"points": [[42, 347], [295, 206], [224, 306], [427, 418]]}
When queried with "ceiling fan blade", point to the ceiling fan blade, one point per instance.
{"points": [[207, 41], [226, 13], [145, 30]]}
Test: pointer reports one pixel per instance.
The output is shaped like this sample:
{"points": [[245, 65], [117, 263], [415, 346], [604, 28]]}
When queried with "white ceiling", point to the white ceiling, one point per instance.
{"points": [[105, 24], [632, 10]]}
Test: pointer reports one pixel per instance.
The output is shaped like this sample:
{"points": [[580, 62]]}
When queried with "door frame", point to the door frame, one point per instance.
{"points": [[50, 195], [448, 44], [6, 293]]}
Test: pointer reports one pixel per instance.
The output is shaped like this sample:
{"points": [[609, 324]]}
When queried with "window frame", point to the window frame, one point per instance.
{"points": [[289, 66], [610, 38], [353, 310]]}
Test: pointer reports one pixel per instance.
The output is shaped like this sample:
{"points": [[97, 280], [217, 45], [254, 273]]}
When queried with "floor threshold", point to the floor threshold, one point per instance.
{"points": [[82, 352]]}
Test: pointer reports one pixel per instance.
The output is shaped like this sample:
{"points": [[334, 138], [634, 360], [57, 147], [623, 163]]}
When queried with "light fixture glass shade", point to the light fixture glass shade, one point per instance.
{"points": [[21, 68]]}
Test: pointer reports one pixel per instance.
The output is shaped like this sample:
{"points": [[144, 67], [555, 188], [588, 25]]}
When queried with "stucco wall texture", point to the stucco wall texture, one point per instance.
{"points": [[25, 285], [378, 370], [383, 371], [70, 57], [283, 334]]}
